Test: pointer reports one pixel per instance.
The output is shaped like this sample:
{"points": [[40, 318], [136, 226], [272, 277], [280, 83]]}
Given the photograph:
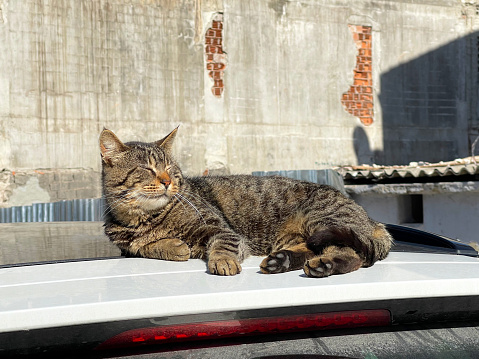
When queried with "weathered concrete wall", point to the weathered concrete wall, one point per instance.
{"points": [[25, 187], [255, 85]]}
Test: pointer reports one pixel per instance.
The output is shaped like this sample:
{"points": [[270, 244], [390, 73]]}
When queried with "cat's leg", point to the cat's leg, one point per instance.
{"points": [[171, 249], [225, 252], [290, 251], [333, 260], [288, 259], [342, 249]]}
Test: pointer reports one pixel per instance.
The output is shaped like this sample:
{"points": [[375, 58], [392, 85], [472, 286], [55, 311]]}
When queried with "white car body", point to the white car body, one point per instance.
{"points": [[63, 294], [73, 303]]}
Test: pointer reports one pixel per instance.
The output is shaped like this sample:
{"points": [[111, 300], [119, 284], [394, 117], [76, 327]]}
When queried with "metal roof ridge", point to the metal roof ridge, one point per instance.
{"points": [[458, 167]]}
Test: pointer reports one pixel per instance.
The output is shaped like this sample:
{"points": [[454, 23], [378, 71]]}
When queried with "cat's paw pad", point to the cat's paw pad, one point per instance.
{"points": [[176, 250], [223, 265], [278, 262], [319, 267]]}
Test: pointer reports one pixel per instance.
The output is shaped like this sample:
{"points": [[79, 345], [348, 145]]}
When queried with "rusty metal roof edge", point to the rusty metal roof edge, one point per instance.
{"points": [[459, 167]]}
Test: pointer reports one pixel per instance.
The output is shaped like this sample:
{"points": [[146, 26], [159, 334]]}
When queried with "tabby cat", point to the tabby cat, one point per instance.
{"points": [[156, 212]]}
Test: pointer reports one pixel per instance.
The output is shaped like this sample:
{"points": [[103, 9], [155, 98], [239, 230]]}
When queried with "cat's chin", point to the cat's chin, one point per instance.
{"points": [[152, 204]]}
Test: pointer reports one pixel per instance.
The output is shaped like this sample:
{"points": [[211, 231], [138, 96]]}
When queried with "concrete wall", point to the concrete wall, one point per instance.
{"points": [[255, 84]]}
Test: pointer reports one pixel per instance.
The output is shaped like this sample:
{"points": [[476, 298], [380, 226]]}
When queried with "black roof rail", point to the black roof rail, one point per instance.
{"points": [[425, 240]]}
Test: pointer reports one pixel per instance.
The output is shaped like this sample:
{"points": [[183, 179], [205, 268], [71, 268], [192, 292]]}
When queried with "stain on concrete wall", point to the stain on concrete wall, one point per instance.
{"points": [[28, 193], [22, 188]]}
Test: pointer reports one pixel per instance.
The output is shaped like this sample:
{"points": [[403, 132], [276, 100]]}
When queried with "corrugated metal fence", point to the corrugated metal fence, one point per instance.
{"points": [[91, 209]]}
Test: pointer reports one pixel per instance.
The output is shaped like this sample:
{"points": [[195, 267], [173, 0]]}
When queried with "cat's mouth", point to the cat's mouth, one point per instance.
{"points": [[154, 190], [155, 197]]}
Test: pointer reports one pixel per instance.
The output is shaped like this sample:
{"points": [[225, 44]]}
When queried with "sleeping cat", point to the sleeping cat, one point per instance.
{"points": [[155, 212]]}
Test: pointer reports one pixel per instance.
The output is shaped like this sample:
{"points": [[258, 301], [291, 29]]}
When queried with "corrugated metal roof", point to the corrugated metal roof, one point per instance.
{"points": [[90, 209], [461, 167]]}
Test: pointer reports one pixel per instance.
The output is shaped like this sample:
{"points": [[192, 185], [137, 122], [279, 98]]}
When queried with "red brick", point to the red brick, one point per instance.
{"points": [[364, 53], [216, 75], [212, 49], [216, 91], [219, 66], [366, 120], [217, 25], [213, 33], [213, 41]]}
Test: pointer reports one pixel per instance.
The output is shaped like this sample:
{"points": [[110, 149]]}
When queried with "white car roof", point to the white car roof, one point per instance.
{"points": [[71, 293]]}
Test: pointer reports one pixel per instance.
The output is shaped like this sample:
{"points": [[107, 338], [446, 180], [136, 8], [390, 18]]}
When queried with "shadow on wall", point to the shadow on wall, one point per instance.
{"points": [[364, 153], [429, 107]]}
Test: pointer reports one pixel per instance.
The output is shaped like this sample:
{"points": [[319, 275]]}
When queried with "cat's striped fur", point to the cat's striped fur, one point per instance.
{"points": [[155, 212]]}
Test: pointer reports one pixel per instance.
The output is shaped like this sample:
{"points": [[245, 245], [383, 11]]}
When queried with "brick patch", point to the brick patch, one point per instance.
{"points": [[358, 101], [215, 57]]}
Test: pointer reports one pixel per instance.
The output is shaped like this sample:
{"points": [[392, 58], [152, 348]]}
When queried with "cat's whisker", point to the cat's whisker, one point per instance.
{"points": [[180, 196], [109, 206], [118, 199], [197, 197], [179, 200]]}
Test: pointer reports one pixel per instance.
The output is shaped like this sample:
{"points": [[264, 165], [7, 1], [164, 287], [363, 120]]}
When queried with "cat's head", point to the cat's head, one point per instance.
{"points": [[138, 176]]}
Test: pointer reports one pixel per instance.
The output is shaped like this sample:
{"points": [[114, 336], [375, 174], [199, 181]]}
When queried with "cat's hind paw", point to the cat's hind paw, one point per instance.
{"points": [[278, 262], [334, 260], [223, 265], [319, 267]]}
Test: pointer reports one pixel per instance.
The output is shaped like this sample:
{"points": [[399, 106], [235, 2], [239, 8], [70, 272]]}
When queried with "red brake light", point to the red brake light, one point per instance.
{"points": [[258, 326]]}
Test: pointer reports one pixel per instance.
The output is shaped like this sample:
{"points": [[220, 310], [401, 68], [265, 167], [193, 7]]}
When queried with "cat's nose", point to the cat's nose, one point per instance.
{"points": [[164, 179], [166, 183]]}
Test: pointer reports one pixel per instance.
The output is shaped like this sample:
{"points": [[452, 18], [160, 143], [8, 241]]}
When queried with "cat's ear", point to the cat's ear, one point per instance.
{"points": [[110, 146], [167, 142]]}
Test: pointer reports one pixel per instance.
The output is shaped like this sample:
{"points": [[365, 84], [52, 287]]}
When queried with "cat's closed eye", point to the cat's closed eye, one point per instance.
{"points": [[147, 168]]}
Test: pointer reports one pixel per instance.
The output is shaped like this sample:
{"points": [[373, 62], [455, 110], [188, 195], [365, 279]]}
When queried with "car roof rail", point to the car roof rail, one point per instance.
{"points": [[424, 239]]}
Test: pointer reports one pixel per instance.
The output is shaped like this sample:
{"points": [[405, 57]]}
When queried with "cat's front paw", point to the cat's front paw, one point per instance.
{"points": [[177, 250], [170, 249], [319, 267], [223, 265]]}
